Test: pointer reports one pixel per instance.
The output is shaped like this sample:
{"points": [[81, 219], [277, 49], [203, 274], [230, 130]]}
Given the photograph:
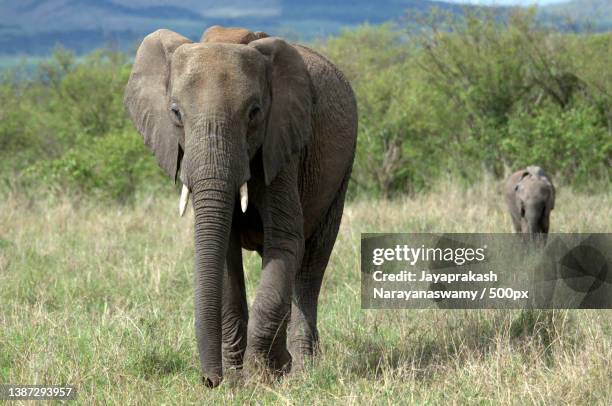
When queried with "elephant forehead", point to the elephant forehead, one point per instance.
{"points": [[537, 188], [213, 58]]}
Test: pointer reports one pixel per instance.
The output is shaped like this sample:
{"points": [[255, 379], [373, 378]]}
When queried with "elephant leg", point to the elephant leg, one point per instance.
{"points": [[516, 220], [303, 333], [235, 308], [267, 329], [283, 249], [517, 225]]}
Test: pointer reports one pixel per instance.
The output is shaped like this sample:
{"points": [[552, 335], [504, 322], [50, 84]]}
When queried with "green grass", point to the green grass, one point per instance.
{"points": [[100, 296]]}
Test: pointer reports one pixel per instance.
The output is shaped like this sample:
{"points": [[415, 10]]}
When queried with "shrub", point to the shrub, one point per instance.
{"points": [[111, 167], [478, 93], [570, 143]]}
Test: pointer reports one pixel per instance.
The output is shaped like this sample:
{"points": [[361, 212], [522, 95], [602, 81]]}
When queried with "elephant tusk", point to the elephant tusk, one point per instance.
{"points": [[183, 201], [244, 197]]}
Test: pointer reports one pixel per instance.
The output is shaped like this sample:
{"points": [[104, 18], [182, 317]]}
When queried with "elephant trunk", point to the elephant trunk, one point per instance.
{"points": [[534, 221], [533, 216], [214, 179], [213, 202]]}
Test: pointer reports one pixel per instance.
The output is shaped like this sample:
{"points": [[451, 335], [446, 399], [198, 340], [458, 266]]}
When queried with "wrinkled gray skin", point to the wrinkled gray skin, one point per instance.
{"points": [[530, 196], [241, 106]]}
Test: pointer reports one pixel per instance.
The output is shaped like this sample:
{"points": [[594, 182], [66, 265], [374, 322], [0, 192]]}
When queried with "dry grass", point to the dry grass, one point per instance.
{"points": [[100, 296]]}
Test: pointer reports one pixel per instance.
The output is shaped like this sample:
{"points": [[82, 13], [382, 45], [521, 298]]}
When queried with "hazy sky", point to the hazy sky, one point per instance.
{"points": [[506, 2]]}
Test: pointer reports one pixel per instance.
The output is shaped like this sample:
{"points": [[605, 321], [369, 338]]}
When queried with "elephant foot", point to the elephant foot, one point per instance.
{"points": [[233, 376], [301, 362], [269, 365], [304, 348], [211, 382], [280, 362], [255, 367]]}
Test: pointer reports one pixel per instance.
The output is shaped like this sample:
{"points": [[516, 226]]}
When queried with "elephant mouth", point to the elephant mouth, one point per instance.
{"points": [[185, 193]]}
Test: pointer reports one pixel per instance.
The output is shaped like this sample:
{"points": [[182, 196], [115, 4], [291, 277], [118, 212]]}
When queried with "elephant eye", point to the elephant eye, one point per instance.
{"points": [[176, 112], [255, 110]]}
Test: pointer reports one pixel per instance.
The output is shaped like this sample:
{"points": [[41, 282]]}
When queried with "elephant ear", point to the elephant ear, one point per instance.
{"points": [[553, 192], [146, 98], [289, 126], [523, 176]]}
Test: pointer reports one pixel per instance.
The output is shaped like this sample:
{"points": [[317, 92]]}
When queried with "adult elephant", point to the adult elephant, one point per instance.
{"points": [[241, 116]]}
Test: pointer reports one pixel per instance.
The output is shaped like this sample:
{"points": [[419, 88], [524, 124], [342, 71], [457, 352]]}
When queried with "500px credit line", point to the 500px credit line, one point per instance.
{"points": [[493, 293]]}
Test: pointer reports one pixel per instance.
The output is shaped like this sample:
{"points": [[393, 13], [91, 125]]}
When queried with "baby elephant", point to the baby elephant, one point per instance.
{"points": [[530, 195]]}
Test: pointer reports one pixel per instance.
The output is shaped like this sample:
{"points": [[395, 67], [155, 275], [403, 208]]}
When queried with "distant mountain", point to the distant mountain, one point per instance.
{"points": [[34, 27], [579, 15]]}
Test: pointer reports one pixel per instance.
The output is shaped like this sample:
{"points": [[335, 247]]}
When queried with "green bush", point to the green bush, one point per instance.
{"points": [[89, 96], [113, 166], [66, 129], [476, 95], [571, 143]]}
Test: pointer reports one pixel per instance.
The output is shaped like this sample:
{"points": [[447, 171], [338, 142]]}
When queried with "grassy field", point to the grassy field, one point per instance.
{"points": [[100, 296]]}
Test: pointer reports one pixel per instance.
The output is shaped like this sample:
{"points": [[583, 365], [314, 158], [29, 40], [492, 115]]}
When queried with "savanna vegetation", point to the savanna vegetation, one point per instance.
{"points": [[101, 296], [480, 97], [96, 270], [477, 98]]}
